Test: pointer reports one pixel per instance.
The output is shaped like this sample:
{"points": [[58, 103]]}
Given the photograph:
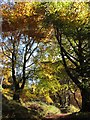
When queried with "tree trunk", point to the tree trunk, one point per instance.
{"points": [[16, 94], [15, 83], [85, 100]]}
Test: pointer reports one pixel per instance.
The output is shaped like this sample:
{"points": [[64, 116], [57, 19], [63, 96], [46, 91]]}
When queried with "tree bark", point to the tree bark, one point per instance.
{"points": [[24, 66], [15, 83], [16, 94], [85, 100]]}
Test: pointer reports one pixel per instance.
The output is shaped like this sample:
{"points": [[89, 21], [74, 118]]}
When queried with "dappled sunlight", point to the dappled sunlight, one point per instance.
{"points": [[45, 60]]}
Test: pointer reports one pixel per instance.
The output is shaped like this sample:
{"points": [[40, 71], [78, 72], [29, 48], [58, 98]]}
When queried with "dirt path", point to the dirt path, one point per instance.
{"points": [[57, 117], [74, 116]]}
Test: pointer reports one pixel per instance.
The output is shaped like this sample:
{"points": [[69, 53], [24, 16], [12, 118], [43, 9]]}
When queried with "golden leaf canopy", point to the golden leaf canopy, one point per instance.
{"points": [[26, 18]]}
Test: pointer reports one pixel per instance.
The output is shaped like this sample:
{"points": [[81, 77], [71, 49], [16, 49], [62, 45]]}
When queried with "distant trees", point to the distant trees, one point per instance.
{"points": [[50, 78]]}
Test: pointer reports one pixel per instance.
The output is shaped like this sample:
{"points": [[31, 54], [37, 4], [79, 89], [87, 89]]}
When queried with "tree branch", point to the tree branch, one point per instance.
{"points": [[75, 79]]}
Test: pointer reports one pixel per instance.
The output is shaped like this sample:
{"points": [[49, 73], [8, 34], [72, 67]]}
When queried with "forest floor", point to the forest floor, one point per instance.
{"points": [[12, 110], [73, 116]]}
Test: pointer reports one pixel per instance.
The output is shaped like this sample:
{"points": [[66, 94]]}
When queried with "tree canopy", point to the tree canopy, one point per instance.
{"points": [[71, 24]]}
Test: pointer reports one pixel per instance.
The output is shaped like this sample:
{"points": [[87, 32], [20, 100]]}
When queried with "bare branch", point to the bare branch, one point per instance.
{"points": [[32, 53]]}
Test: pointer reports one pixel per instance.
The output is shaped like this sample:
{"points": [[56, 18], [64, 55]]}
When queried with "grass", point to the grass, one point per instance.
{"points": [[47, 109]]}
